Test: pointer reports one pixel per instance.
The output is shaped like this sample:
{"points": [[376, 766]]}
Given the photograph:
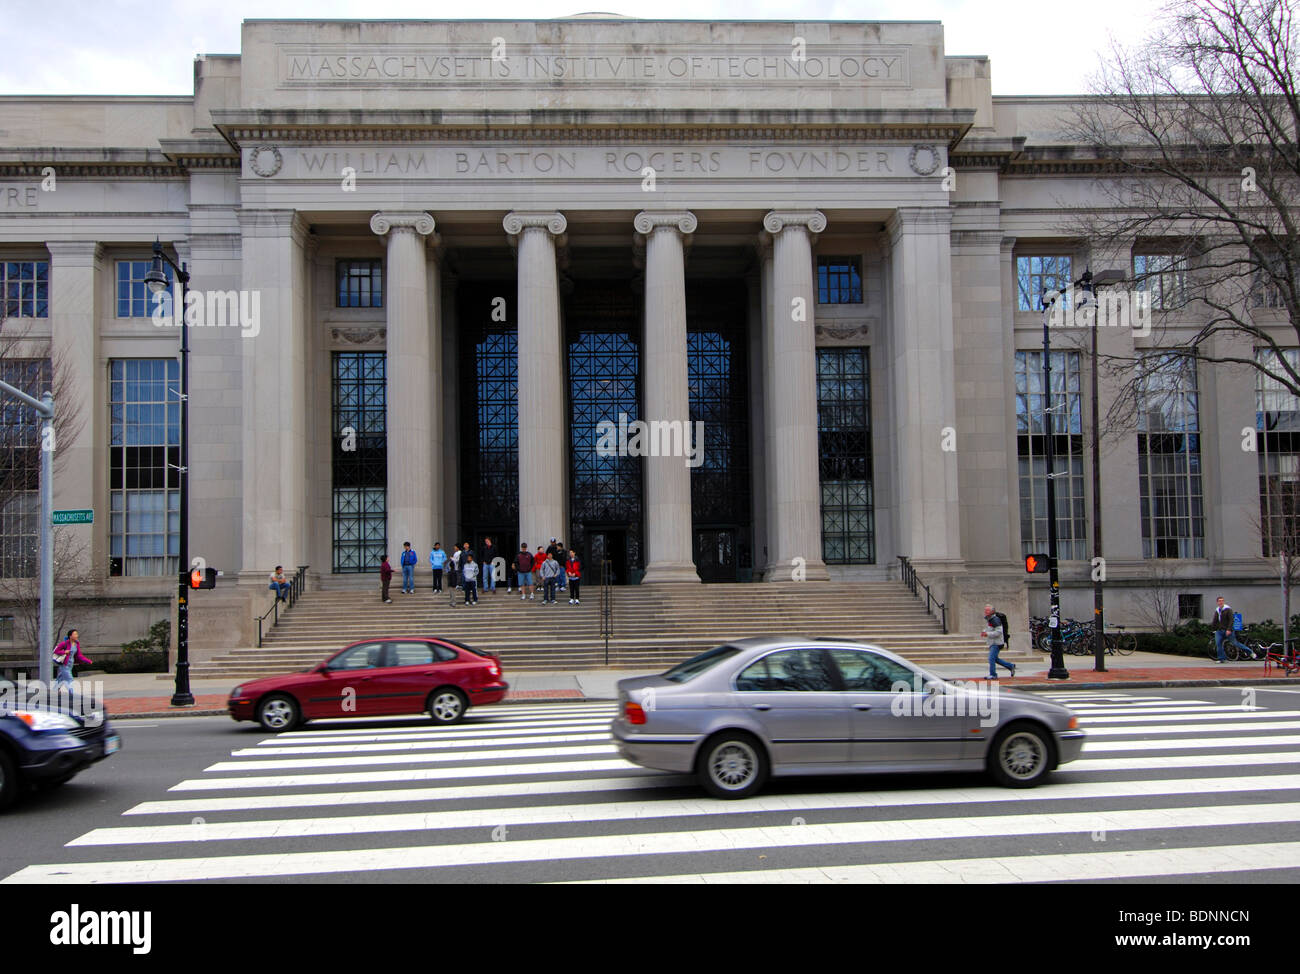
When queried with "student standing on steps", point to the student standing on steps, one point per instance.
{"points": [[385, 578], [488, 554], [454, 567], [524, 572], [550, 573], [437, 559], [470, 573], [573, 572], [408, 561]]}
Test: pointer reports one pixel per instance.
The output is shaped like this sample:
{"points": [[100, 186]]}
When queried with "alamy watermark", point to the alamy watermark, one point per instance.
{"points": [[656, 438], [213, 309], [85, 698], [1108, 308]]}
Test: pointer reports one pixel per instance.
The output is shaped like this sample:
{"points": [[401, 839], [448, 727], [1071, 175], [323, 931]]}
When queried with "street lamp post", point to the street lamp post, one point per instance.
{"points": [[1057, 670], [157, 282]]}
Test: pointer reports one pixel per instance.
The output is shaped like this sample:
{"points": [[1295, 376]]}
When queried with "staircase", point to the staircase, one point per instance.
{"points": [[654, 626]]}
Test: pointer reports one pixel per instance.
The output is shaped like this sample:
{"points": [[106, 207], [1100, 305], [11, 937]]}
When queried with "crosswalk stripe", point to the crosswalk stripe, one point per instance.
{"points": [[421, 744], [1166, 711], [405, 774], [1160, 732], [666, 808], [1070, 866], [567, 750], [1088, 763], [646, 844], [1133, 719], [1143, 705], [458, 731], [486, 712]]}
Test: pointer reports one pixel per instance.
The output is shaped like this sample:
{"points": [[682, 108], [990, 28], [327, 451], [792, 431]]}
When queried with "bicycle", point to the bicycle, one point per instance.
{"points": [[1231, 652], [1287, 660], [1124, 643]]}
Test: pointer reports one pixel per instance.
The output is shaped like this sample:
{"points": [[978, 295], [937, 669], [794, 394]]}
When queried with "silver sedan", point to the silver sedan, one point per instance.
{"points": [[753, 708]]}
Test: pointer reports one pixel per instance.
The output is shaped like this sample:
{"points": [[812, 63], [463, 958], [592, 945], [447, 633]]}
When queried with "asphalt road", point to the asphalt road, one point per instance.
{"points": [[1175, 786]]}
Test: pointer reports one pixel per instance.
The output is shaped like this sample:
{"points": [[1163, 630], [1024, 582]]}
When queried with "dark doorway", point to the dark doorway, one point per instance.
{"points": [[607, 544], [716, 555]]}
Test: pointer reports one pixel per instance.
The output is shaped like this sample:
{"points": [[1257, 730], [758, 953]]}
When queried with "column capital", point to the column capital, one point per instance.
{"points": [[517, 221], [273, 223], [416, 221], [75, 251], [1008, 246], [682, 221], [919, 219], [777, 220]]}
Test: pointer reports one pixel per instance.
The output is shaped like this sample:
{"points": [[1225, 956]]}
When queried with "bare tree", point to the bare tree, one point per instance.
{"points": [[74, 580], [1157, 601], [1278, 525], [1197, 132]]}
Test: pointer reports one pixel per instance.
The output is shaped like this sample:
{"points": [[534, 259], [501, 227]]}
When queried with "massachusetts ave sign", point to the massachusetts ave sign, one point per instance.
{"points": [[74, 517]]}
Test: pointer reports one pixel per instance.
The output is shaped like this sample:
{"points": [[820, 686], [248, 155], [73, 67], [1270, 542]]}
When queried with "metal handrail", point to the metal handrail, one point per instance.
{"points": [[606, 605], [297, 586], [911, 580]]}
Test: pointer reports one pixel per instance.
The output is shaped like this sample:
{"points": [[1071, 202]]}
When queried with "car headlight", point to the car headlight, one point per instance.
{"points": [[236, 693], [44, 720]]}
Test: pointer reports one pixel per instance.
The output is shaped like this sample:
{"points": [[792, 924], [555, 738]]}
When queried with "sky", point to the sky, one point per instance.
{"points": [[131, 47]]}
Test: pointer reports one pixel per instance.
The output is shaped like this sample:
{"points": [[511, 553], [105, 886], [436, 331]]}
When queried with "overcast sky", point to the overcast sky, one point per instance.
{"points": [[131, 47]]}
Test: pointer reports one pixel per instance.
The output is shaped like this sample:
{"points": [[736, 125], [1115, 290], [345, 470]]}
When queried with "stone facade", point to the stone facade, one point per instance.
{"points": [[542, 151]]}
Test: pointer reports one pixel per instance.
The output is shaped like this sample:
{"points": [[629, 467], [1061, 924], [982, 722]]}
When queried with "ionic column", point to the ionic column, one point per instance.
{"points": [[412, 411], [790, 379], [542, 426], [667, 396]]}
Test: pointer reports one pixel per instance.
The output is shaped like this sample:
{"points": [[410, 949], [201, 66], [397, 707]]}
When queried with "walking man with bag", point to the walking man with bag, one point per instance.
{"points": [[995, 631]]}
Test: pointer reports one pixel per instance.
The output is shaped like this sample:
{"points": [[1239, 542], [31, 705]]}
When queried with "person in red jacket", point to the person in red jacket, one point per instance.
{"points": [[68, 653], [385, 577], [573, 572]]}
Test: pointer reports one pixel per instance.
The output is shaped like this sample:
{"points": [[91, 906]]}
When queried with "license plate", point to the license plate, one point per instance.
{"points": [[112, 744]]}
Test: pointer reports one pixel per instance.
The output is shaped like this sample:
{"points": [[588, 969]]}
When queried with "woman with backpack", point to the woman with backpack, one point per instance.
{"points": [[68, 653]]}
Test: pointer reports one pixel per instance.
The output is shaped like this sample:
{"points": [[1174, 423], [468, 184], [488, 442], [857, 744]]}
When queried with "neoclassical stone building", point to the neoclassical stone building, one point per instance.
{"points": [[430, 259]]}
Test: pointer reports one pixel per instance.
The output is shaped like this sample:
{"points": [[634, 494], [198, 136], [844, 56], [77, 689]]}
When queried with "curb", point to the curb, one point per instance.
{"points": [[1140, 684], [196, 712]]}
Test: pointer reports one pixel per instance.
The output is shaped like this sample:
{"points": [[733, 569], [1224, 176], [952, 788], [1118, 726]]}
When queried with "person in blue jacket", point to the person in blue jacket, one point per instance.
{"points": [[437, 560], [409, 561]]}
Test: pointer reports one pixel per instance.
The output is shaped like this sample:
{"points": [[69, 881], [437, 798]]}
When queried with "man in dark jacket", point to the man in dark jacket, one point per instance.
{"points": [[385, 577], [997, 635], [486, 573], [1223, 631]]}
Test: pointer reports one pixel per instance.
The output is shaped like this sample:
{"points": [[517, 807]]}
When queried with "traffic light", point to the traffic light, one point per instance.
{"points": [[1035, 564], [203, 578]]}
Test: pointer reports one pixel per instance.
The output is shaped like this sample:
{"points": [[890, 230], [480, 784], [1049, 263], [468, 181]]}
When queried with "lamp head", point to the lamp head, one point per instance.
{"points": [[156, 279]]}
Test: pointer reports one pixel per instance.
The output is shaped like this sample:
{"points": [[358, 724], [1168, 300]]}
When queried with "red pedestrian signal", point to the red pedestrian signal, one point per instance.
{"points": [[196, 579], [203, 578], [1035, 564]]}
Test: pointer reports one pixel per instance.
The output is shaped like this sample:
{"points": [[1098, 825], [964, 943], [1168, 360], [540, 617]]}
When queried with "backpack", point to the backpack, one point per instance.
{"points": [[1006, 629]]}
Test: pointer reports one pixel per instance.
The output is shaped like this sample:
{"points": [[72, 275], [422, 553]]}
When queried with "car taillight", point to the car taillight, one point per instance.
{"points": [[494, 667], [634, 713]]}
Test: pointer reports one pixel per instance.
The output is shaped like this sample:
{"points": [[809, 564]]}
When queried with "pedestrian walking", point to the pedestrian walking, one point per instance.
{"points": [[437, 559], [1224, 633], [573, 572], [997, 635], [487, 555], [524, 572], [66, 655], [550, 574], [409, 560], [385, 578], [279, 584], [470, 573]]}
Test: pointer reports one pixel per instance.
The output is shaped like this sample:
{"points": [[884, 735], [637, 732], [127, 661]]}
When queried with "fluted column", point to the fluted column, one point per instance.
{"points": [[412, 410], [667, 398], [790, 378], [542, 447]]}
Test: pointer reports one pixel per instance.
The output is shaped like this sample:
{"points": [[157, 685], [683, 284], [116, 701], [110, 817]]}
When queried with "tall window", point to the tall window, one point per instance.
{"points": [[25, 285], [1034, 275], [839, 280], [1164, 277], [134, 299], [844, 447], [20, 468], [1169, 457], [1277, 425], [491, 474], [359, 462], [1067, 450], [360, 283], [144, 452]]}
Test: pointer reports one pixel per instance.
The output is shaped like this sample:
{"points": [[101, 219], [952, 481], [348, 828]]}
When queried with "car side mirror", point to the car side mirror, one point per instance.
{"points": [[933, 687]]}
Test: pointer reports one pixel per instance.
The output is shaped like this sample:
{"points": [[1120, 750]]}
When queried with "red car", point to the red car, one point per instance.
{"points": [[377, 677]]}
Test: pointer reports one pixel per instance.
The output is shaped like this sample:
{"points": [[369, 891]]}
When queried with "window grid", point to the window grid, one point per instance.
{"points": [[1277, 425], [1164, 277], [839, 280], [359, 518], [1034, 275], [844, 448], [144, 454], [134, 299], [360, 283], [25, 285], [1169, 457], [1067, 449]]}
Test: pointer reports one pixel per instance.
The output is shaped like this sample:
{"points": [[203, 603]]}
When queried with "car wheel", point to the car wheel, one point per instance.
{"points": [[9, 782], [732, 765], [1021, 756], [278, 713], [447, 705]]}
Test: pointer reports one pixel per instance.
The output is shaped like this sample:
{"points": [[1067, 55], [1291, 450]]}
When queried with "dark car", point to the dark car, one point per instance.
{"points": [[43, 748], [377, 677]]}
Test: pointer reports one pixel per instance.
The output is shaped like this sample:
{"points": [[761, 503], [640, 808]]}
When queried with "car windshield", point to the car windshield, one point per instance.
{"points": [[698, 664]]}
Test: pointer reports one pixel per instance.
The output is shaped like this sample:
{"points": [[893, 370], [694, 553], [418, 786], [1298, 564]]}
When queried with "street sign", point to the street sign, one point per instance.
{"points": [[74, 517]]}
